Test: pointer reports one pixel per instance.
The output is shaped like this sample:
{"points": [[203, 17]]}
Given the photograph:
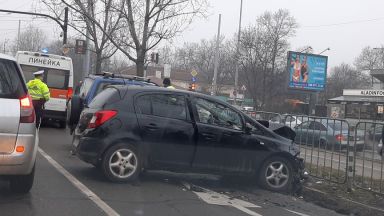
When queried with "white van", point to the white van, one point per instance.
{"points": [[58, 75]]}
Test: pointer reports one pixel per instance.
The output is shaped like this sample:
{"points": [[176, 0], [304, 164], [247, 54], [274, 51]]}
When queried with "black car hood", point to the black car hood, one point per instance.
{"points": [[283, 130]]}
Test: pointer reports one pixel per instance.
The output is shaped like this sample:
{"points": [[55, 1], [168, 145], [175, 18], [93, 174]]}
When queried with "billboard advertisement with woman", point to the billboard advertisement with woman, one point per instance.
{"points": [[307, 71]]}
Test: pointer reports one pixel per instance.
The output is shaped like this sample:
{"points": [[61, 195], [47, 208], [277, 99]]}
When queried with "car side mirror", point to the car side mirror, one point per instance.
{"points": [[248, 128], [265, 123]]}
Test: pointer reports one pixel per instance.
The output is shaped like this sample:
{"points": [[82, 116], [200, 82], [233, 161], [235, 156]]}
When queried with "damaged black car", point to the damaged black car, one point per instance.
{"points": [[128, 129]]}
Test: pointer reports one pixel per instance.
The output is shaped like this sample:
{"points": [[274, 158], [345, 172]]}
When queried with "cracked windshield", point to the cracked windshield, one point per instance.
{"points": [[191, 107]]}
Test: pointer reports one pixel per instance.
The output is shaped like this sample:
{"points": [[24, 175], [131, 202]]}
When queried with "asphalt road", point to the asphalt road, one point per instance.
{"points": [[64, 185]]}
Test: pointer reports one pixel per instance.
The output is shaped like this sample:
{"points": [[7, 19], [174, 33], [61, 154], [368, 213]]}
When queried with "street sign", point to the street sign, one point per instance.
{"points": [[194, 79], [80, 47], [380, 109], [243, 88], [65, 49], [194, 73]]}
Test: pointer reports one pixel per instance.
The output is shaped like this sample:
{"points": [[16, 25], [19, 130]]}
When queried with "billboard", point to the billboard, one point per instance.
{"points": [[307, 71]]}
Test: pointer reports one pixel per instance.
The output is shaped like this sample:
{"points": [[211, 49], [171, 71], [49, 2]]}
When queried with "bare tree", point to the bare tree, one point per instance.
{"points": [[101, 33], [147, 22], [31, 39], [345, 76], [370, 58], [263, 53], [200, 57]]}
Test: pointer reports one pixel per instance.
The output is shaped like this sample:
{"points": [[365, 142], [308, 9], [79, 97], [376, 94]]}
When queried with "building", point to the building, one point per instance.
{"points": [[360, 103]]}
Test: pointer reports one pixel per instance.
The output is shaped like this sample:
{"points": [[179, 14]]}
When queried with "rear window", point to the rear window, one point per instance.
{"points": [[85, 87], [108, 95], [54, 78], [11, 83], [57, 78], [339, 126]]}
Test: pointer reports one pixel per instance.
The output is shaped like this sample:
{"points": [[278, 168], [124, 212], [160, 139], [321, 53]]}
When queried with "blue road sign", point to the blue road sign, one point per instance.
{"points": [[194, 79]]}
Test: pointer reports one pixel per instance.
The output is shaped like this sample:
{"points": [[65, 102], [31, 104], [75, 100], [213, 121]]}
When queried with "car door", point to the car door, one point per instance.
{"points": [[315, 131], [221, 144], [166, 128], [302, 133]]}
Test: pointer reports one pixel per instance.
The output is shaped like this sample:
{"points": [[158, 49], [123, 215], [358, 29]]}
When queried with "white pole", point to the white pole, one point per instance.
{"points": [[18, 37], [214, 81], [87, 59], [237, 53]]}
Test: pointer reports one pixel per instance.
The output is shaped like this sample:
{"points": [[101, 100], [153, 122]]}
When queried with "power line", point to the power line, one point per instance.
{"points": [[344, 23]]}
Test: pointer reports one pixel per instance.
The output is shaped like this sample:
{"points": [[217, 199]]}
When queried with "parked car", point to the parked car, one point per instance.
{"points": [[18, 135], [375, 132], [93, 85], [330, 134], [249, 111], [289, 120], [130, 128]]}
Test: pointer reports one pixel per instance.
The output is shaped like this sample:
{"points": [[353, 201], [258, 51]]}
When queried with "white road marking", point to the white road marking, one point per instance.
{"points": [[298, 213], [92, 196], [215, 198]]}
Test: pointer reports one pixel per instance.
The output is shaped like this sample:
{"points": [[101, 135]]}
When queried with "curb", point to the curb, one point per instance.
{"points": [[339, 204]]}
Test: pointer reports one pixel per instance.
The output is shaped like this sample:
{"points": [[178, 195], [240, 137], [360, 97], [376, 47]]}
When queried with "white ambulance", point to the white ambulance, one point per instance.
{"points": [[58, 75]]}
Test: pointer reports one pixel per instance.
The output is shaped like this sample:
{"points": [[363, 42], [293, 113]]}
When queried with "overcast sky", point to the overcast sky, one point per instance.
{"points": [[345, 26]]}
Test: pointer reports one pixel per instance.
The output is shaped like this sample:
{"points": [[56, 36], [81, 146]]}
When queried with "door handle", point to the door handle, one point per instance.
{"points": [[151, 126], [229, 133], [208, 136]]}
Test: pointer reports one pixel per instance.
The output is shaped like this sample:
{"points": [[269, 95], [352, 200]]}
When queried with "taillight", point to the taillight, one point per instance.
{"points": [[100, 117], [340, 137], [69, 93], [27, 113]]}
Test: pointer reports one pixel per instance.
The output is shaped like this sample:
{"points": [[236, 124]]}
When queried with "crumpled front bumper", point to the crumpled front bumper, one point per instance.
{"points": [[300, 176]]}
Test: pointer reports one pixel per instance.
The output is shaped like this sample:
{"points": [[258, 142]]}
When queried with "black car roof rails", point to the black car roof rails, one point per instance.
{"points": [[123, 76]]}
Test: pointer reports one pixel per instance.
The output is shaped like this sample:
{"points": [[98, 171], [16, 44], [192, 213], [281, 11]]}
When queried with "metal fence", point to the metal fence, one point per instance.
{"points": [[336, 150], [368, 162], [324, 142]]}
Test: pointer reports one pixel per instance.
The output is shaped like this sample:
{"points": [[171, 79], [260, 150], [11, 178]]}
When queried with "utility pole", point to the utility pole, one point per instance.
{"points": [[214, 83], [237, 54], [65, 26], [18, 37], [87, 60]]}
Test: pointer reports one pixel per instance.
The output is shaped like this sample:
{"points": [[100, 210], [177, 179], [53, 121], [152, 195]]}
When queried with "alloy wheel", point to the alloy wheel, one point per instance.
{"points": [[123, 163], [277, 174]]}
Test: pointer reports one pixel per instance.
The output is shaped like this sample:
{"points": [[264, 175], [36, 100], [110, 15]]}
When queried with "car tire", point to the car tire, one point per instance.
{"points": [[62, 124], [323, 144], [121, 163], [74, 108], [276, 174], [22, 183]]}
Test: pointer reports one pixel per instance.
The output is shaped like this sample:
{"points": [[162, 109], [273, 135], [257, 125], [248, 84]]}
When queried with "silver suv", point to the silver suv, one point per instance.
{"points": [[18, 133]]}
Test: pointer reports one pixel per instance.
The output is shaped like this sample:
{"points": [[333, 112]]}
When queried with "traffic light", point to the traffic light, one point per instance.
{"points": [[152, 57], [192, 87], [157, 58]]}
